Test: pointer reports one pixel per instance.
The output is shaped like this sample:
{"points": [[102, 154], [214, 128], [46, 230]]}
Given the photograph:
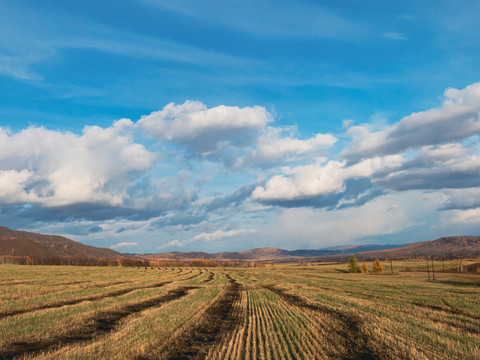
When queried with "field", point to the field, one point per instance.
{"points": [[272, 312]]}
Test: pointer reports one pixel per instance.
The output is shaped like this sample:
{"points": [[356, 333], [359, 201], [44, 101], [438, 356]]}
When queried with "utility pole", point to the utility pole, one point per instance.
{"points": [[433, 271], [428, 270]]}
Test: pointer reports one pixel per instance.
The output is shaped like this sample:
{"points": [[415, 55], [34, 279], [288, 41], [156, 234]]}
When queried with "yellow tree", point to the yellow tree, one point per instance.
{"points": [[364, 269], [377, 267]]}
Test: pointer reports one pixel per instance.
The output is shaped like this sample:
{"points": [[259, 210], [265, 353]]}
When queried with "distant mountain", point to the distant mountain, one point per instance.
{"points": [[268, 253], [451, 246], [23, 243]]}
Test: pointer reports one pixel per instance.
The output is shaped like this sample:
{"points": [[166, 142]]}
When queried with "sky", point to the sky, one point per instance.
{"points": [[178, 125]]}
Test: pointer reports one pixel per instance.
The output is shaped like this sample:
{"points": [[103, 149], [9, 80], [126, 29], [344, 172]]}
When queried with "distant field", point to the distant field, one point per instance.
{"points": [[274, 312]]}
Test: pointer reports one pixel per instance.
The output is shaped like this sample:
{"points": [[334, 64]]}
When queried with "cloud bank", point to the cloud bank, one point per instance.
{"points": [[201, 177], [435, 149]]}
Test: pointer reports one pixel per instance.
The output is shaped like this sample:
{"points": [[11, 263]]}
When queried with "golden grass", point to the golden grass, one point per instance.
{"points": [[279, 312]]}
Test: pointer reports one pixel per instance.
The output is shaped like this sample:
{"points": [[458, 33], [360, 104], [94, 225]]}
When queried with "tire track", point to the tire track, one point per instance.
{"points": [[350, 333], [218, 321], [65, 302], [99, 324], [404, 300], [209, 278], [193, 276]]}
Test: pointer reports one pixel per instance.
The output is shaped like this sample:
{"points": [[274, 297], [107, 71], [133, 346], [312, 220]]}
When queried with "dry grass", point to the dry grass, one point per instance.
{"points": [[276, 312]]}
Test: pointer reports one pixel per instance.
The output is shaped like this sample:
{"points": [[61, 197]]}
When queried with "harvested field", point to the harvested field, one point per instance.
{"points": [[275, 312]]}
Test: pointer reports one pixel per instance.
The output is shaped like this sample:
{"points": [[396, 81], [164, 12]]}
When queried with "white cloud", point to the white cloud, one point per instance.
{"points": [[173, 243], [110, 174], [463, 199], [205, 131], [240, 138], [124, 245], [13, 186], [385, 215], [319, 179], [430, 150], [53, 168], [207, 237], [446, 166], [455, 217], [272, 147], [458, 118], [220, 234]]}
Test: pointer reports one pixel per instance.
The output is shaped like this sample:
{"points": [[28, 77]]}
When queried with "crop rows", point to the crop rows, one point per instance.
{"points": [[279, 312]]}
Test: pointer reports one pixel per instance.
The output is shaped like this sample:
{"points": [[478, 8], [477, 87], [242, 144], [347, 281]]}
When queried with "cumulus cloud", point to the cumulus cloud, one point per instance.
{"points": [[106, 173], [458, 118], [59, 169], [100, 174], [205, 131], [449, 166], [462, 199], [13, 185], [238, 138], [315, 180], [429, 150], [273, 147]]}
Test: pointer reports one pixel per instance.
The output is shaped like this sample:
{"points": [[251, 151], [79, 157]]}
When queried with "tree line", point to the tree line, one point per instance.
{"points": [[124, 262]]}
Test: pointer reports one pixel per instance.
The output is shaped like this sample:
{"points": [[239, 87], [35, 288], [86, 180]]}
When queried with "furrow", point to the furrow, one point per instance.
{"points": [[218, 321], [101, 323], [97, 297], [349, 331], [210, 277]]}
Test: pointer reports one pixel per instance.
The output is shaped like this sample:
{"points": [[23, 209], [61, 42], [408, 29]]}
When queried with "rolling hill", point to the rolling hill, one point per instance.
{"points": [[23, 243], [450, 247], [267, 253]]}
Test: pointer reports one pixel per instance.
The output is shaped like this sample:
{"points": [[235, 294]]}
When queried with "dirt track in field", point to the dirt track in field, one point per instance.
{"points": [[100, 323], [349, 331], [193, 276], [209, 278], [97, 297], [217, 322]]}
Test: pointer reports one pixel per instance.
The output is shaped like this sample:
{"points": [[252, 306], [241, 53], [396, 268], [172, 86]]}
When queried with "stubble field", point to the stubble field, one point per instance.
{"points": [[274, 312]]}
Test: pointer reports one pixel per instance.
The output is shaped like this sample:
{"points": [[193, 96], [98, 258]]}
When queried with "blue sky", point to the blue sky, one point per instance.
{"points": [[210, 125]]}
